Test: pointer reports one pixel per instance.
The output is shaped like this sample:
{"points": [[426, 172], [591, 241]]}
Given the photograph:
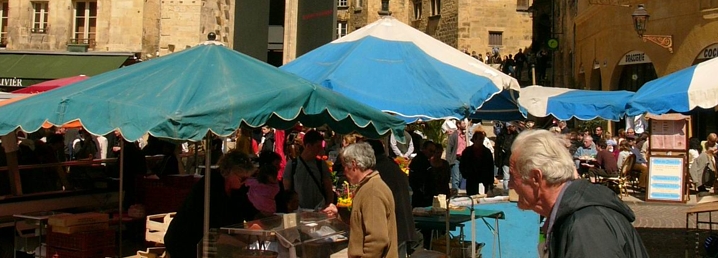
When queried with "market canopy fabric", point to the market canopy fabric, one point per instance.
{"points": [[49, 66], [52, 84], [400, 70], [502, 107], [186, 94], [565, 103], [682, 91]]}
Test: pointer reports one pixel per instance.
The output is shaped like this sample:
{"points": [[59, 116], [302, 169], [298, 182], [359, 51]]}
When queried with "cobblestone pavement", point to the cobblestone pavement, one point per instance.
{"points": [[663, 228]]}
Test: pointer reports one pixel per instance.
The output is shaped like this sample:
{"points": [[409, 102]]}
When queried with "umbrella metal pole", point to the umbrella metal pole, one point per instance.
{"points": [[207, 173], [122, 174], [448, 237], [195, 162]]}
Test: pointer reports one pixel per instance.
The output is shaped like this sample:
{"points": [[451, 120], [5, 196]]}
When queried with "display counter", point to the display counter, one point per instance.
{"points": [[306, 234]]}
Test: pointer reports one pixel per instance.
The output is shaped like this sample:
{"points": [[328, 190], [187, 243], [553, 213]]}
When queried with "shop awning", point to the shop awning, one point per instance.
{"points": [[53, 66]]}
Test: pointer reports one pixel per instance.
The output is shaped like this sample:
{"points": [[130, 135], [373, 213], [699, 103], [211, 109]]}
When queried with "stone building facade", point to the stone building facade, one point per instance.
{"points": [[600, 49], [147, 28], [463, 24]]}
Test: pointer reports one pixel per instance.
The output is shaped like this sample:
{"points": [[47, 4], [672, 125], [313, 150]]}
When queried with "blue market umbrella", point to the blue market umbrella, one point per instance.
{"points": [[682, 91], [186, 95], [565, 103], [397, 69], [503, 107]]}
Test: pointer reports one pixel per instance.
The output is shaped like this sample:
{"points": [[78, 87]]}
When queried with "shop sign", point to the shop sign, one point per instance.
{"points": [[709, 52], [635, 57], [12, 82]]}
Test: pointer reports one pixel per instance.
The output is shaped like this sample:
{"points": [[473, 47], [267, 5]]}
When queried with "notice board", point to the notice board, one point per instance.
{"points": [[665, 178], [669, 134]]}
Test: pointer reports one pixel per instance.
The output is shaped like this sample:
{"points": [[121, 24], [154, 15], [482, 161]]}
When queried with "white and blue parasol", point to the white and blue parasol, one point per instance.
{"points": [[397, 69], [682, 91], [567, 103]]}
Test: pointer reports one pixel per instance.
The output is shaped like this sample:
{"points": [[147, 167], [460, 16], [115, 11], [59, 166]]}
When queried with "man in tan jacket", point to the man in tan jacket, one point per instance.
{"points": [[372, 227]]}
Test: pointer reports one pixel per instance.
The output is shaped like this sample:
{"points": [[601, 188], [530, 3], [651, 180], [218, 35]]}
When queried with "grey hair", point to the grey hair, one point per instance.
{"points": [[362, 153], [588, 137], [543, 150]]}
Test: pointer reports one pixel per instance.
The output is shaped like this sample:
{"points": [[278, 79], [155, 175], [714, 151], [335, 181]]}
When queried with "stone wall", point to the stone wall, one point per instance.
{"points": [[477, 18], [179, 26], [151, 29], [447, 29], [115, 32]]}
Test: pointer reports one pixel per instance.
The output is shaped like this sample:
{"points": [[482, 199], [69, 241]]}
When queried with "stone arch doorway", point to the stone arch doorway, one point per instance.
{"points": [[581, 80], [634, 70], [596, 80]]}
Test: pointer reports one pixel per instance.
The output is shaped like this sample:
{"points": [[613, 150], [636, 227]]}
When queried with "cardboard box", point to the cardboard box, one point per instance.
{"points": [[66, 220], [81, 228]]}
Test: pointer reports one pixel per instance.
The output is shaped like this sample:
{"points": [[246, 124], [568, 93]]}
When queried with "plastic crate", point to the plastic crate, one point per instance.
{"points": [[81, 240], [98, 252]]}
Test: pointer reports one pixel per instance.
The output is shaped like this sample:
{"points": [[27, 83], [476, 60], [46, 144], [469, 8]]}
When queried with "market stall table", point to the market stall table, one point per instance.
{"points": [[457, 218], [282, 235]]}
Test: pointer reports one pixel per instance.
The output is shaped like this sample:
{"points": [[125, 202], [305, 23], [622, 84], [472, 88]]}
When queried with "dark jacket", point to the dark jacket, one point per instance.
{"points": [[592, 222], [185, 230], [502, 151], [479, 170], [398, 183], [418, 180]]}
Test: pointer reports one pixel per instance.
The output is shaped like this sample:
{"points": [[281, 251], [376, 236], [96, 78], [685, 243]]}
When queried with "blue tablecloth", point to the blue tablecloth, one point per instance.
{"points": [[519, 231]]}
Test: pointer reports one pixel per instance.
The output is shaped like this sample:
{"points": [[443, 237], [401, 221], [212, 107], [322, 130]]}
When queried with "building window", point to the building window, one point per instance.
{"points": [[496, 38], [341, 29], [39, 18], [417, 10], [522, 5], [342, 3], [3, 23], [359, 4], [435, 7], [85, 23]]}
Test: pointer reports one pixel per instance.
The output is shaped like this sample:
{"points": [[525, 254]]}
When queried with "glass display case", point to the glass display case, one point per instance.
{"points": [[305, 234]]}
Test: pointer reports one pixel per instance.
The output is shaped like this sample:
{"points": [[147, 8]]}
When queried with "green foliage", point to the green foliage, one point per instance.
{"points": [[432, 130], [589, 125]]}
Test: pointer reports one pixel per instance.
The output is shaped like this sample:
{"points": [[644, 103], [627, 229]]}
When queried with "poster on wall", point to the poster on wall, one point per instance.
{"points": [[669, 134], [665, 178]]}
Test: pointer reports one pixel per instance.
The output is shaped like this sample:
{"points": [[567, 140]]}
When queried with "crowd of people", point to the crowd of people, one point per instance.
{"points": [[517, 64], [273, 171]]}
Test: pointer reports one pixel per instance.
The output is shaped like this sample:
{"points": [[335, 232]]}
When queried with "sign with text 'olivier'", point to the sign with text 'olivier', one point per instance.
{"points": [[11, 82], [316, 24], [665, 178]]}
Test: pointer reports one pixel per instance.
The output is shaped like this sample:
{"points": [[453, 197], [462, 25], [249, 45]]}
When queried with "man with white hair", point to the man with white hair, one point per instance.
{"points": [[372, 227], [582, 219]]}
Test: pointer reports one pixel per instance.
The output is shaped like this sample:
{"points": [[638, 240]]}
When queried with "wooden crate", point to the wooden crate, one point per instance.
{"points": [[156, 227], [82, 240], [106, 251]]}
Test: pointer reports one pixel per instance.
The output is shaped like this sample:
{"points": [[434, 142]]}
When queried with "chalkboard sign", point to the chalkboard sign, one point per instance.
{"points": [[665, 178]]}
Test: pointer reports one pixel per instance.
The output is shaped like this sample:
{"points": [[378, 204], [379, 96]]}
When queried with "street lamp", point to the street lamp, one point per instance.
{"points": [[640, 19], [640, 23]]}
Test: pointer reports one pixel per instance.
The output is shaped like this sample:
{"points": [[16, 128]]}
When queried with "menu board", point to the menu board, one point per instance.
{"points": [[669, 134], [665, 178]]}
